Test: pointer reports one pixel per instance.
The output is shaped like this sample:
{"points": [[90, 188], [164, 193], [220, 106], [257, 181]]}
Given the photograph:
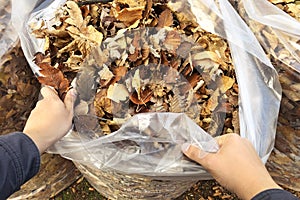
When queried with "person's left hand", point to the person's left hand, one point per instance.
{"points": [[51, 119]]}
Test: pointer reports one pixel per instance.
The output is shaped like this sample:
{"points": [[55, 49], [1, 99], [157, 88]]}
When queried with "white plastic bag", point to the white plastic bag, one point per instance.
{"points": [[260, 95]]}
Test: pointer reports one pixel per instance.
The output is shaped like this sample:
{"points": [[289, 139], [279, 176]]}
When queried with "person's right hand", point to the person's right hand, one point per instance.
{"points": [[235, 166], [51, 119]]}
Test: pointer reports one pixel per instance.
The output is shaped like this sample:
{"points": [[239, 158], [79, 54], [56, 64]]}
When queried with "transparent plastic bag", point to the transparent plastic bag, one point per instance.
{"points": [[284, 28], [279, 34], [260, 90], [8, 35], [260, 95], [31, 10]]}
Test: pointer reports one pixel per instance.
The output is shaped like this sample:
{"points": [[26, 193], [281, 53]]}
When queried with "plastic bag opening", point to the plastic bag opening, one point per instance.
{"points": [[259, 94]]}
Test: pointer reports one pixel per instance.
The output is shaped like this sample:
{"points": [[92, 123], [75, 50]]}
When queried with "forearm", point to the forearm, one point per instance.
{"points": [[19, 161]]}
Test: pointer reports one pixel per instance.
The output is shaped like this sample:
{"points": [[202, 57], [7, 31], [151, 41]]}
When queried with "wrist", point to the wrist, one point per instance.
{"points": [[41, 144], [258, 186]]}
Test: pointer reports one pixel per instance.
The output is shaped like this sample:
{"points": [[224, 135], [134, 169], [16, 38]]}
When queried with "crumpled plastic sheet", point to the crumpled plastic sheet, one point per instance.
{"points": [[149, 143]]}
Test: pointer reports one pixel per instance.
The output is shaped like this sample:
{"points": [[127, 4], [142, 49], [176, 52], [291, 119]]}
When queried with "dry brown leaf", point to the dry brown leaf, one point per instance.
{"points": [[117, 92], [135, 45], [136, 83], [213, 101], [172, 41], [225, 83], [143, 98], [75, 14], [119, 72], [129, 16], [194, 79], [102, 104], [165, 19], [106, 74], [52, 77]]}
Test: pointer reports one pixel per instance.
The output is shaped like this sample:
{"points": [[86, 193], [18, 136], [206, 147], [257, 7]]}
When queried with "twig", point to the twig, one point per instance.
{"points": [[88, 2]]}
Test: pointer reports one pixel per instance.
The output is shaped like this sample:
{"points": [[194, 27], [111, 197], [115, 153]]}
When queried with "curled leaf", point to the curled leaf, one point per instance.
{"points": [[52, 77], [143, 98]]}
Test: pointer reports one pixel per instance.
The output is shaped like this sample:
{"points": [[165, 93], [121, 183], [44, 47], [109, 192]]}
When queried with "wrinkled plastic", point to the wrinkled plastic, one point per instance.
{"points": [[279, 34], [278, 23], [147, 143], [23, 14], [8, 35], [260, 90], [260, 95]]}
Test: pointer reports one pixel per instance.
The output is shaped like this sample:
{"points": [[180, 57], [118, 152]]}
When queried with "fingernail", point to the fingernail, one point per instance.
{"points": [[185, 147], [73, 92]]}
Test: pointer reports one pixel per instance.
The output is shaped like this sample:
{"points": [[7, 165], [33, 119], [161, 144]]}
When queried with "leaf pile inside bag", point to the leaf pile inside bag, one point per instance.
{"points": [[292, 7], [141, 56]]}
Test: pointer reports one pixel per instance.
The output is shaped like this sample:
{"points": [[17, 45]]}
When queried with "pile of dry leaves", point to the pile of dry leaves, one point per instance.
{"points": [[18, 86], [153, 58], [18, 90], [292, 7], [4, 15]]}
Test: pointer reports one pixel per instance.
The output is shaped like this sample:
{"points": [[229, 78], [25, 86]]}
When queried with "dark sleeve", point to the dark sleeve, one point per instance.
{"points": [[19, 161], [275, 194]]}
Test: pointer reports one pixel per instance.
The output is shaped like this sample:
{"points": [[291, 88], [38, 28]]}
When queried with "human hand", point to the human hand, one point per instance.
{"points": [[51, 119], [235, 166]]}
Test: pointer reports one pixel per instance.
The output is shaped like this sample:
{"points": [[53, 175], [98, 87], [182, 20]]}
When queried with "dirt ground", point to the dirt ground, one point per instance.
{"points": [[210, 190]]}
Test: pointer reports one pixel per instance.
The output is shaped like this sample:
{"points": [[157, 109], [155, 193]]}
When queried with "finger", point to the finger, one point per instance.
{"points": [[70, 100], [195, 153], [224, 138], [49, 93]]}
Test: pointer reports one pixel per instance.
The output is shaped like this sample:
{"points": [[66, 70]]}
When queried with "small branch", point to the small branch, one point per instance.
{"points": [[88, 2]]}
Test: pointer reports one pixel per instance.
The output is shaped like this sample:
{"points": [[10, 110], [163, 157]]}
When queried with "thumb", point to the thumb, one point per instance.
{"points": [[48, 92], [70, 100], [195, 153]]}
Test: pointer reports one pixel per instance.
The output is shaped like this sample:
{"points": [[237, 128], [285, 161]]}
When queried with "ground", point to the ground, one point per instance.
{"points": [[209, 190]]}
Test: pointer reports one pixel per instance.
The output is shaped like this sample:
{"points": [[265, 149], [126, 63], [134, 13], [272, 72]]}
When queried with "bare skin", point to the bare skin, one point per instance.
{"points": [[235, 166], [51, 119]]}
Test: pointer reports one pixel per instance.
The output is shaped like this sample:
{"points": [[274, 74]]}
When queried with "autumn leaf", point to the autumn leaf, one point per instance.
{"points": [[135, 43], [172, 41], [117, 92], [119, 72], [130, 15], [143, 98], [165, 19], [226, 83], [52, 77]]}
